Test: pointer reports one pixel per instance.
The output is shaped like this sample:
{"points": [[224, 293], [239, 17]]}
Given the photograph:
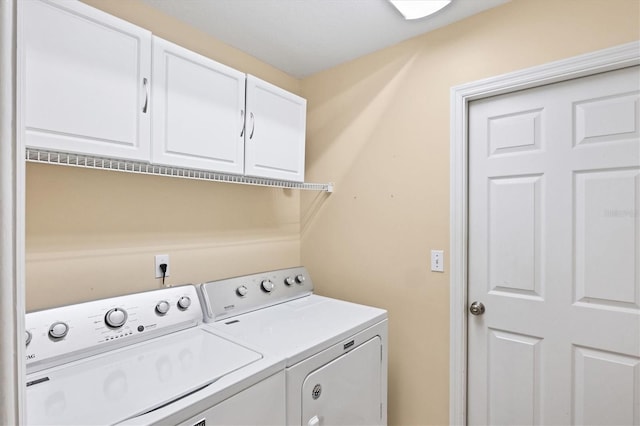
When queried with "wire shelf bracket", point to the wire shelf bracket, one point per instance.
{"points": [[101, 163]]}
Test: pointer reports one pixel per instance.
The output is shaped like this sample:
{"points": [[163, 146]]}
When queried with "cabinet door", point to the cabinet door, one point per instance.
{"points": [[84, 80], [275, 139], [198, 111]]}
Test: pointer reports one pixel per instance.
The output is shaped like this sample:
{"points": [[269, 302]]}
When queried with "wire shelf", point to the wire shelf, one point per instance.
{"points": [[100, 163]]}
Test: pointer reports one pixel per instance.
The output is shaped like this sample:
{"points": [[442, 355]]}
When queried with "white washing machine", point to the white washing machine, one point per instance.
{"points": [[335, 351], [145, 359]]}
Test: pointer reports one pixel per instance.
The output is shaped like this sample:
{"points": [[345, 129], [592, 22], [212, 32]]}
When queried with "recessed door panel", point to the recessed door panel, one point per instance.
{"points": [[514, 211], [197, 99], [513, 379], [515, 132], [607, 119], [606, 388], [606, 211]]}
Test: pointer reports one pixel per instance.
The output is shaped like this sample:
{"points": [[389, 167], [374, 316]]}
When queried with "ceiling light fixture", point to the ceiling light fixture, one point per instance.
{"points": [[416, 9]]}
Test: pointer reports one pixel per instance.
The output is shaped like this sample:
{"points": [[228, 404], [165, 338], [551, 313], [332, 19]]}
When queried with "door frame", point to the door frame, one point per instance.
{"points": [[609, 59], [12, 219]]}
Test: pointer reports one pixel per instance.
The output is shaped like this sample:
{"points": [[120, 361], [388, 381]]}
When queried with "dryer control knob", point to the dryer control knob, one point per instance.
{"points": [[184, 302], [27, 336], [289, 281], [115, 318], [300, 278], [162, 307], [241, 291], [58, 330], [267, 286]]}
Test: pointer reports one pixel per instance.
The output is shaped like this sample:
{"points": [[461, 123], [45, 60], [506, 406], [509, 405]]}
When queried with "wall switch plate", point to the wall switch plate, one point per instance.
{"points": [[160, 259], [437, 260]]}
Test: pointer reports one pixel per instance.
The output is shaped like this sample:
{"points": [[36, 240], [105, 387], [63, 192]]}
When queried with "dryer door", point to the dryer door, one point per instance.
{"points": [[346, 391]]}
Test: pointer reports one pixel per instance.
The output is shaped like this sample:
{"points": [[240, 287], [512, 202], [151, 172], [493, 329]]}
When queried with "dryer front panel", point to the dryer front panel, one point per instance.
{"points": [[346, 391]]}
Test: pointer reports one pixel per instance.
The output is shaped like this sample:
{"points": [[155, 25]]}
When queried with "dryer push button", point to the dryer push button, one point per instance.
{"points": [[184, 302], [267, 286]]}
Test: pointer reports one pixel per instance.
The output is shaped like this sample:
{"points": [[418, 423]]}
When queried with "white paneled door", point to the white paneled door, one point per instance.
{"points": [[554, 254]]}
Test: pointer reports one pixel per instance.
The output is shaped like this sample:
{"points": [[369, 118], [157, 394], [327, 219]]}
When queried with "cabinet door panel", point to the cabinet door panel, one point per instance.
{"points": [[275, 140], [83, 80], [198, 111]]}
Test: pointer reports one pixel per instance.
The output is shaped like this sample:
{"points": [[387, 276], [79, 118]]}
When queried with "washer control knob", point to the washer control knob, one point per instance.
{"points": [[241, 291], [267, 286], [27, 336], [115, 318], [300, 278], [289, 280], [58, 330], [162, 307], [184, 302]]}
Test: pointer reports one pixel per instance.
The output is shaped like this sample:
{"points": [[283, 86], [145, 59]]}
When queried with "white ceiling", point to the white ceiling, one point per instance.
{"points": [[302, 37]]}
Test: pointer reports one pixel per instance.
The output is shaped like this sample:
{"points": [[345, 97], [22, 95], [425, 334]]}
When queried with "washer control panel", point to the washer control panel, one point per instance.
{"points": [[233, 296], [63, 334]]}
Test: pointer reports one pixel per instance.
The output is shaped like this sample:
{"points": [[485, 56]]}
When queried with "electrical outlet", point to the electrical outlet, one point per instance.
{"points": [[437, 260], [160, 259]]}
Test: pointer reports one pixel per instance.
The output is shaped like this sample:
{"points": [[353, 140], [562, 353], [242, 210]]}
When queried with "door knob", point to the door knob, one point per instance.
{"points": [[476, 308]]}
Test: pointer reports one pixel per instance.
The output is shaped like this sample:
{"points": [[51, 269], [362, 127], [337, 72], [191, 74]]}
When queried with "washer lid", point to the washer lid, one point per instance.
{"points": [[126, 383]]}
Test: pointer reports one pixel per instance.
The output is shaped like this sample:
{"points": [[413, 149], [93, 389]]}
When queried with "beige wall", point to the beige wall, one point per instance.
{"points": [[92, 234], [379, 128]]}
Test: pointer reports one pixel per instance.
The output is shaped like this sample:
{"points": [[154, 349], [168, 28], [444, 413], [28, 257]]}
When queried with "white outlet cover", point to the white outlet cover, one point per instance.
{"points": [[160, 259], [437, 260]]}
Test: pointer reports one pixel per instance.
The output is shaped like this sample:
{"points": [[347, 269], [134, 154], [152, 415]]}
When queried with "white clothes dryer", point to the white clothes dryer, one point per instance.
{"points": [[144, 359], [335, 351]]}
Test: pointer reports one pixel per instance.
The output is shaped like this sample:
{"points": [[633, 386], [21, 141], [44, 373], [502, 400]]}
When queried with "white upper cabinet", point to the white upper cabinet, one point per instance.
{"points": [[275, 132], [91, 83], [197, 111], [84, 80]]}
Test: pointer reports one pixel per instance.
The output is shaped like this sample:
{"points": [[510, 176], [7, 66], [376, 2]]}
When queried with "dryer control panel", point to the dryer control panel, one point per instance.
{"points": [[59, 335], [234, 296]]}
